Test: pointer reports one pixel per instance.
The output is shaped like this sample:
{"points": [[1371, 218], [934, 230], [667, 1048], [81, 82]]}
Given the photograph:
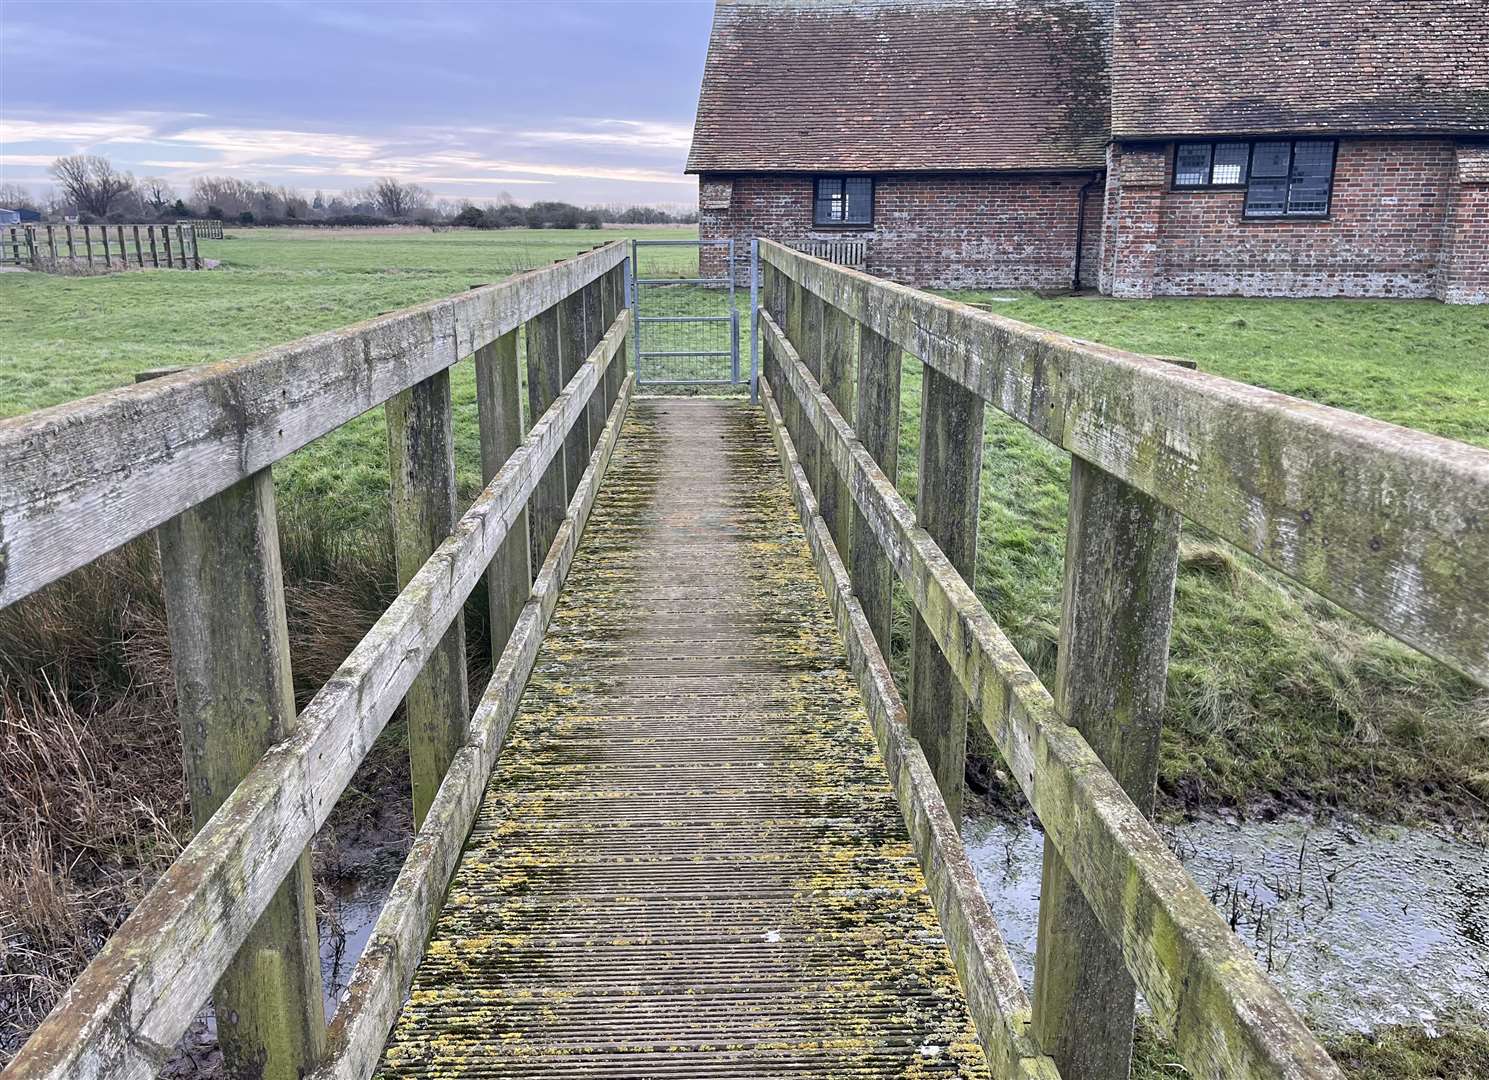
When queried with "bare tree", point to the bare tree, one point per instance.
{"points": [[156, 193], [17, 197], [91, 182], [397, 199]]}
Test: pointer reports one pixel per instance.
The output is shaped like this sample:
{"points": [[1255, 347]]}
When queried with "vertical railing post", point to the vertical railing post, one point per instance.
{"points": [[196, 249], [499, 407], [154, 251], [421, 457], [224, 597], [612, 302], [139, 253], [181, 244], [544, 383], [1121, 559], [31, 252], [123, 247], [108, 259], [572, 336], [754, 320], [594, 330], [72, 247], [836, 377], [51, 243], [946, 507], [165, 243], [877, 423]]}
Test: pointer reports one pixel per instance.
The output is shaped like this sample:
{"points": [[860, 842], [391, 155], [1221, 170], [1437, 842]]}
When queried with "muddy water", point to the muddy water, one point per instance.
{"points": [[1360, 925]]}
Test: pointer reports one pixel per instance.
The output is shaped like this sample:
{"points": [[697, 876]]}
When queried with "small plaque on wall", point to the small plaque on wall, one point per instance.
{"points": [[715, 194]]}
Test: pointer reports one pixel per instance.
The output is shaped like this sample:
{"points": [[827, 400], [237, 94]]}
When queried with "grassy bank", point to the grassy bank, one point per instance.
{"points": [[1274, 693]]}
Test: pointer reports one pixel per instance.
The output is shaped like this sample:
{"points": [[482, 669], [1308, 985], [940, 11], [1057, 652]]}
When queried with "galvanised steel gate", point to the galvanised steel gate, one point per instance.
{"points": [[686, 313]]}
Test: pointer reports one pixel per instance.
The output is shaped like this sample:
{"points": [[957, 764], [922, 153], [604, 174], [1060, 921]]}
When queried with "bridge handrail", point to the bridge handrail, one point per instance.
{"points": [[1148, 919], [1389, 523], [83, 478], [124, 1014]]}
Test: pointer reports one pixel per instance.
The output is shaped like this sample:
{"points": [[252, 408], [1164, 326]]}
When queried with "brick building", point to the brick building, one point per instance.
{"points": [[1145, 147]]}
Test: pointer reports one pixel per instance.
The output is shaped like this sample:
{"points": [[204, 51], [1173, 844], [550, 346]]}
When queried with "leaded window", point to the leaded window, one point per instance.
{"points": [[1282, 177], [843, 200]]}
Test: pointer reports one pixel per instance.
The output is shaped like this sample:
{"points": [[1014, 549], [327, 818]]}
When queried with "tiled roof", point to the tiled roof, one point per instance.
{"points": [[1219, 67], [891, 85]]}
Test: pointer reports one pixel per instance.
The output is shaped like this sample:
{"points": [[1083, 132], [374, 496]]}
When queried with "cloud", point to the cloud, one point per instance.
{"points": [[637, 134], [76, 132], [237, 143]]}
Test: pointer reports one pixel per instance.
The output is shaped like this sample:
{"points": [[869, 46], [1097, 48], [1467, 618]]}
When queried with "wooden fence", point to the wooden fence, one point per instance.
{"points": [[1390, 523], [207, 228], [189, 455], [44, 247]]}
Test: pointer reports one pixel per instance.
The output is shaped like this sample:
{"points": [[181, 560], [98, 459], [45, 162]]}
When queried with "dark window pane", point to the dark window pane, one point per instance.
{"points": [[829, 201], [1230, 163], [1192, 165], [1270, 158], [1266, 198], [1313, 157], [1308, 196], [859, 192]]}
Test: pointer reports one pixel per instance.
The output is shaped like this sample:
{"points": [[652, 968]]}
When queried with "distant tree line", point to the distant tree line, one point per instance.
{"points": [[91, 189]]}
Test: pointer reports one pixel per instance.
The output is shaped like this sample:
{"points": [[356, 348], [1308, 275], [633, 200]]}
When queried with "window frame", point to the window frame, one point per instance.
{"points": [[1245, 186], [843, 178]]}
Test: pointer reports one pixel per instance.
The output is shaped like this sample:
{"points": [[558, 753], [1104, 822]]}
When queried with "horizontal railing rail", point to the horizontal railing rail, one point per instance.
{"points": [[1114, 899], [1389, 523], [211, 923]]}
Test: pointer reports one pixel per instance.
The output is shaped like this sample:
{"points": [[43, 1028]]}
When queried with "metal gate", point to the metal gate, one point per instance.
{"points": [[686, 313]]}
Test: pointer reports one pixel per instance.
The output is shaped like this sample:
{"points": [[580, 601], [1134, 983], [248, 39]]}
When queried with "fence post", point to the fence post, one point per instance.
{"points": [[755, 274], [573, 352], [612, 300], [31, 246], [950, 478], [123, 247], [108, 259], [1121, 559], [421, 457], [139, 254], [154, 252], [72, 247], [837, 383], [196, 249], [51, 243], [877, 422], [594, 329], [165, 243], [224, 596], [545, 381], [499, 406], [181, 244]]}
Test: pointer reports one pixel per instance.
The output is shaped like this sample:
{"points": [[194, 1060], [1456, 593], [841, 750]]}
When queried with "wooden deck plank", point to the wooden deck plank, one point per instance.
{"points": [[689, 861]]}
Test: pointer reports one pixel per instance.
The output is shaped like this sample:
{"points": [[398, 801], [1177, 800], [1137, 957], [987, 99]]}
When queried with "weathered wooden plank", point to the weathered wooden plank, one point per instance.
{"points": [[421, 462], [499, 409], [78, 480], [837, 382], [380, 982], [573, 348], [877, 423], [224, 597], [544, 378], [995, 996], [809, 348], [1390, 523], [946, 508], [1205, 989], [124, 1014], [1121, 559], [594, 329]]}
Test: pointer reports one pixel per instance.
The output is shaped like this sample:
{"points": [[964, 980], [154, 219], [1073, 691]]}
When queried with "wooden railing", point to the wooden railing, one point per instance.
{"points": [[1391, 524], [189, 456], [207, 228]]}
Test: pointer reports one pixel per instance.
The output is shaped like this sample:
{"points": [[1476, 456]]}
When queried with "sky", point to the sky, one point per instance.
{"points": [[587, 102]]}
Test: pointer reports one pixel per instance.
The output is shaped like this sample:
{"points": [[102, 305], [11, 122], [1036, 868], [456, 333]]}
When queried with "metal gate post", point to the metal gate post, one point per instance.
{"points": [[733, 316], [754, 320], [633, 297]]}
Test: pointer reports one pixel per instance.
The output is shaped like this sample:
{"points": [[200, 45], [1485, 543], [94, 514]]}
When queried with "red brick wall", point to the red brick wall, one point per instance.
{"points": [[935, 231], [1383, 237]]}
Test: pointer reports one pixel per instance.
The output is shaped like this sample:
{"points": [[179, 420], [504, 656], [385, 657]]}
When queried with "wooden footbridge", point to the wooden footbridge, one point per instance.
{"points": [[690, 829]]}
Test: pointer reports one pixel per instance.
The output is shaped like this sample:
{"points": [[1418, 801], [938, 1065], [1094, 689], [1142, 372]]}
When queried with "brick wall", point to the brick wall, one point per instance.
{"points": [[1384, 235], [985, 231]]}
